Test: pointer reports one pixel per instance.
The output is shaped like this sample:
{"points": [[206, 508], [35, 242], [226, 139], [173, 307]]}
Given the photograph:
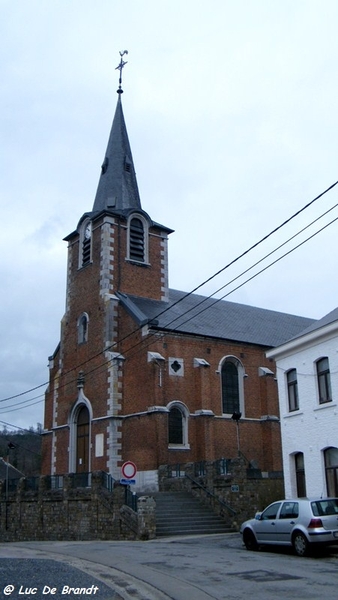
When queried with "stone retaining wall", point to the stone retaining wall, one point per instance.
{"points": [[83, 513], [239, 488]]}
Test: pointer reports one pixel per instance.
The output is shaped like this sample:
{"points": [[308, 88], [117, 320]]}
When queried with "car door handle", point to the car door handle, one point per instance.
{"points": [[292, 522], [273, 523]]}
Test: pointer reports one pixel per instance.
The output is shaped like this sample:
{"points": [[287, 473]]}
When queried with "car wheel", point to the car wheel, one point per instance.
{"points": [[249, 540], [300, 544]]}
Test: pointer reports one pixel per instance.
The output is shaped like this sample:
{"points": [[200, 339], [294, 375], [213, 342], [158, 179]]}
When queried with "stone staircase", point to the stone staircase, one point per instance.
{"points": [[180, 513]]}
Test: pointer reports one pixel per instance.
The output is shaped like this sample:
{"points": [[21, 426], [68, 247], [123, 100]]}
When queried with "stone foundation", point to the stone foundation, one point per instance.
{"points": [[35, 511]]}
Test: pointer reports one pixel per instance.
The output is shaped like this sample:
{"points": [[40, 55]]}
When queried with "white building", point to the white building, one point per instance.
{"points": [[307, 376]]}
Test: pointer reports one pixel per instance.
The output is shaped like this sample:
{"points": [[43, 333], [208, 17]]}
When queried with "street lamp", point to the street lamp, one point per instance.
{"points": [[236, 417], [10, 446]]}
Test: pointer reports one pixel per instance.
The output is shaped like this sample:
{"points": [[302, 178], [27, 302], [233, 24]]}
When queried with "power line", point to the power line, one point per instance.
{"points": [[264, 238], [260, 261], [21, 428], [145, 343], [261, 271]]}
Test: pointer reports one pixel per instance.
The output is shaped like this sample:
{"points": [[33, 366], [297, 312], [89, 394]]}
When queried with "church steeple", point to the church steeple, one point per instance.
{"points": [[117, 188]]}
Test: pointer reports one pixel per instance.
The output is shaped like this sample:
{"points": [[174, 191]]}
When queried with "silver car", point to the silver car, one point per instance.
{"points": [[302, 523]]}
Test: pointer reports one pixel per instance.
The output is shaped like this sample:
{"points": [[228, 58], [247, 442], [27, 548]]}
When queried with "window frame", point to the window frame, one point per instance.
{"points": [[132, 239], [292, 390], [299, 465], [182, 408], [323, 381], [331, 470], [238, 406]]}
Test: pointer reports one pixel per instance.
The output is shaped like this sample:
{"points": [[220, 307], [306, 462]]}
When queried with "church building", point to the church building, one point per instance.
{"points": [[145, 373]]}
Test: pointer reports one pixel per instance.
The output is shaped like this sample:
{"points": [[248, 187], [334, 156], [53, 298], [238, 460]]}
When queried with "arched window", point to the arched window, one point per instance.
{"points": [[291, 378], [177, 425], [137, 246], [331, 471], [82, 328], [136, 240], [300, 475], [324, 381], [232, 373]]}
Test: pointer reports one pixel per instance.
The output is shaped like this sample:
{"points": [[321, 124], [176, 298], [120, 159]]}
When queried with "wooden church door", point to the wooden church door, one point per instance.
{"points": [[82, 441]]}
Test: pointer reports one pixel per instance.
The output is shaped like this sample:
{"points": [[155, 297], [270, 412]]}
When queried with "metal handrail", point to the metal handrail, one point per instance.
{"points": [[107, 481], [211, 494], [130, 499]]}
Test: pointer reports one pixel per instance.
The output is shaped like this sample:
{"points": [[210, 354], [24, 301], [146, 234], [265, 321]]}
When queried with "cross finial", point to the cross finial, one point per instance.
{"points": [[120, 67]]}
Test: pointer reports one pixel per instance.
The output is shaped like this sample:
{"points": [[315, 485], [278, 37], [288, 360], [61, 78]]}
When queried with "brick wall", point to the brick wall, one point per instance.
{"points": [[119, 397]]}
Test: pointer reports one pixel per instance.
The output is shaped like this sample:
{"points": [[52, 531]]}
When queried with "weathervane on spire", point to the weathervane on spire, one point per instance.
{"points": [[120, 67]]}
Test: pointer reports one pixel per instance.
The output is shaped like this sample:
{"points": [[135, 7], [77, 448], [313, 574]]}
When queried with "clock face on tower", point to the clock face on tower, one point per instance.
{"points": [[88, 231]]}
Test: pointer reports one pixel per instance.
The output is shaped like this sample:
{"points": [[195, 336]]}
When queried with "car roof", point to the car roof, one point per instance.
{"points": [[312, 499]]}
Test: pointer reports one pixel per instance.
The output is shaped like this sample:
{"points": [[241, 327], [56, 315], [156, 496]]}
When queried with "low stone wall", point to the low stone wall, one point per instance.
{"points": [[237, 493], [73, 513]]}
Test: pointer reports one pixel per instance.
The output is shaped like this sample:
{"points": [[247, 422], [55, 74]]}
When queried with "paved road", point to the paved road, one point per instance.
{"points": [[194, 568]]}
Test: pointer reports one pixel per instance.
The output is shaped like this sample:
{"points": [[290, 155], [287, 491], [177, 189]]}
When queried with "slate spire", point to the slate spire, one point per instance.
{"points": [[117, 188]]}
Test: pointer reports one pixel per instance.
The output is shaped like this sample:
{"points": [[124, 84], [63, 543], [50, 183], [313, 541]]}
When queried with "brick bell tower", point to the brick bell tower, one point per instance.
{"points": [[116, 249]]}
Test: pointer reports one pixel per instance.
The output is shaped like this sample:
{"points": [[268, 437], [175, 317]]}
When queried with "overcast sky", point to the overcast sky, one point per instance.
{"points": [[231, 110]]}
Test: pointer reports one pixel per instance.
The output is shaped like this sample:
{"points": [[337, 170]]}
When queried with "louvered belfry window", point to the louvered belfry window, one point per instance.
{"points": [[136, 240], [86, 251]]}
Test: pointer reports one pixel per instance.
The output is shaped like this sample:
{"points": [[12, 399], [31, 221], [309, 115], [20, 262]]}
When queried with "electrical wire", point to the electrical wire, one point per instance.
{"points": [[147, 343], [191, 292], [261, 271], [21, 428]]}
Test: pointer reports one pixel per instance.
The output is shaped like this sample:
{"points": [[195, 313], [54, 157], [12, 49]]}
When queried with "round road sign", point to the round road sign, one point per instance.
{"points": [[129, 470]]}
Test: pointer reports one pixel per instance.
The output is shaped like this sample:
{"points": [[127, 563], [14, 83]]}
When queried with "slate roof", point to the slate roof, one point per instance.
{"points": [[117, 191], [331, 317], [117, 188], [198, 315]]}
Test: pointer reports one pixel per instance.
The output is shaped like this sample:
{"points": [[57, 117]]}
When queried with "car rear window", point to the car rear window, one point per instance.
{"points": [[325, 507]]}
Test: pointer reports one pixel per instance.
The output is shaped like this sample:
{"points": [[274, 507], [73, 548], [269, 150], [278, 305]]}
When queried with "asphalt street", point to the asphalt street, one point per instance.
{"points": [[180, 568]]}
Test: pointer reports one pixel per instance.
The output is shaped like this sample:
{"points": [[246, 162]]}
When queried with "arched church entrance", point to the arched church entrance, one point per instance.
{"points": [[82, 440]]}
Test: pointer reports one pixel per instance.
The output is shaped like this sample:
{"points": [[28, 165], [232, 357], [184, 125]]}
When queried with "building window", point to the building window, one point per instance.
{"points": [[331, 471], [176, 367], [178, 425], [175, 426], [300, 475], [85, 255], [136, 240], [232, 374], [324, 381], [82, 328], [291, 378]]}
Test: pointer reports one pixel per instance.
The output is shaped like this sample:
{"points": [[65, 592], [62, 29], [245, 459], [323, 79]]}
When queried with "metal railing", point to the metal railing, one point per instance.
{"points": [[199, 468], [80, 480], [107, 481], [130, 499], [211, 494], [11, 485], [54, 482], [175, 471], [31, 484], [222, 466]]}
